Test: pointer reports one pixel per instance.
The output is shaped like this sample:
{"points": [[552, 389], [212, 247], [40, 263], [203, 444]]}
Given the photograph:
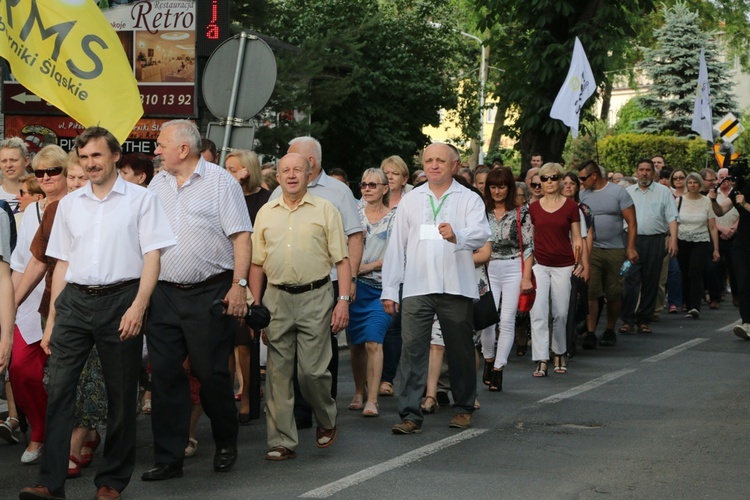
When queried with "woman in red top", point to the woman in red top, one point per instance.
{"points": [[557, 249]]}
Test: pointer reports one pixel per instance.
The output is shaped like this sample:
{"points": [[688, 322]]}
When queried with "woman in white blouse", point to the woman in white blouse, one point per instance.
{"points": [[697, 239]]}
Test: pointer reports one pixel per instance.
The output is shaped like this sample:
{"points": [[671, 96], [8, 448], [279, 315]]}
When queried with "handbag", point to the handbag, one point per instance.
{"points": [[525, 300], [485, 309]]}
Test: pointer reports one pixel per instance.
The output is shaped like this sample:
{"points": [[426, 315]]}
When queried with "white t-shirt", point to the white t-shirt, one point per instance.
{"points": [[10, 198], [28, 319]]}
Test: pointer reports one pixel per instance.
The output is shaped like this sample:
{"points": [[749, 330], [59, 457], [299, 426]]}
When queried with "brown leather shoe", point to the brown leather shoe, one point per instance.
{"points": [[36, 493], [407, 427], [107, 493], [461, 421]]}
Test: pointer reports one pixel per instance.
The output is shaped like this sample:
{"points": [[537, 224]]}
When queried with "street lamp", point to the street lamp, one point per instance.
{"points": [[482, 81]]}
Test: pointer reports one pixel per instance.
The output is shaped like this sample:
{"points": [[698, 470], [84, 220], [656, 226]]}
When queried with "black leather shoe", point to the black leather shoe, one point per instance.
{"points": [[160, 472], [225, 458]]}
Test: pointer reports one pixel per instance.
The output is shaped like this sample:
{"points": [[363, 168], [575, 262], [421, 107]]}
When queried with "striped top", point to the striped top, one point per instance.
{"points": [[204, 212]]}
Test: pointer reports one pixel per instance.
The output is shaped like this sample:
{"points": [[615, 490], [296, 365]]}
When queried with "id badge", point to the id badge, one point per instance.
{"points": [[429, 232]]}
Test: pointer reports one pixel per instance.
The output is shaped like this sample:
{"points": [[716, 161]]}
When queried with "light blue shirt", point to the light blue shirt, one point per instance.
{"points": [[655, 208]]}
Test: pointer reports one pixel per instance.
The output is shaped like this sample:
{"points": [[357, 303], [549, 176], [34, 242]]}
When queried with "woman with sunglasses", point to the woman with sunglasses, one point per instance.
{"points": [[677, 181], [27, 369], [29, 193], [536, 188], [368, 321], [510, 226], [557, 248]]}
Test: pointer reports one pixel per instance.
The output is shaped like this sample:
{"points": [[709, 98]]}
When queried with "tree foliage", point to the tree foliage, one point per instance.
{"points": [[533, 43], [369, 75], [621, 152], [630, 114], [672, 66]]}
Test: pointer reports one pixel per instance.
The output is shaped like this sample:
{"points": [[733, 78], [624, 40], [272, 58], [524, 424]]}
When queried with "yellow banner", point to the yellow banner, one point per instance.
{"points": [[66, 52]]}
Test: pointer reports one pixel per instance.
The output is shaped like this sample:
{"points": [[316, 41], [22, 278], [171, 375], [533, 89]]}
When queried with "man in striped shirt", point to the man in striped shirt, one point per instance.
{"points": [[211, 261]]}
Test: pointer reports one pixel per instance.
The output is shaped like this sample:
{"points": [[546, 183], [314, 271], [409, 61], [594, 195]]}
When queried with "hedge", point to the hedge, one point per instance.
{"points": [[621, 152]]}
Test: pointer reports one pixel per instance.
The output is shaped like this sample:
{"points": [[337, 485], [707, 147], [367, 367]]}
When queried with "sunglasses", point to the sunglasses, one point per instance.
{"points": [[21, 192], [536, 185], [583, 178], [546, 178], [371, 185], [680, 178], [52, 172]]}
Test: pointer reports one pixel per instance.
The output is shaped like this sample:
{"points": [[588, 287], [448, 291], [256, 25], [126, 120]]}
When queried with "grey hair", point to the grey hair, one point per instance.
{"points": [[376, 172], [187, 132], [15, 143], [317, 149]]}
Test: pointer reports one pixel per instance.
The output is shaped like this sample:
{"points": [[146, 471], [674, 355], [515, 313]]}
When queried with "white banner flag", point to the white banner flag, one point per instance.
{"points": [[578, 87], [702, 119]]}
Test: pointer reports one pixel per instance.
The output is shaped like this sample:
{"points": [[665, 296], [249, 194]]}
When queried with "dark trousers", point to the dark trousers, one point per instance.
{"points": [[741, 258], [180, 325], [692, 257], [82, 322], [302, 410], [454, 313], [392, 347], [726, 264], [642, 280]]}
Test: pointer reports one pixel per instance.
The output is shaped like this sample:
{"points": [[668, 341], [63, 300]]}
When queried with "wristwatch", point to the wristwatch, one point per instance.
{"points": [[354, 279], [242, 282], [344, 298]]}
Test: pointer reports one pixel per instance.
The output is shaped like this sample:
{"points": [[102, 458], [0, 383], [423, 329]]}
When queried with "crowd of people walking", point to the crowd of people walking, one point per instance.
{"points": [[111, 272]]}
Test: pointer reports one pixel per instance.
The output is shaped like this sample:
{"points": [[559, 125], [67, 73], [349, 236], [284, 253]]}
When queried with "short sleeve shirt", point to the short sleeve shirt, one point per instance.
{"points": [[607, 205], [552, 244]]}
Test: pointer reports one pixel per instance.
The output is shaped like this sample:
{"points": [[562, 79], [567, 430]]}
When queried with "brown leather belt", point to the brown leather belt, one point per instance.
{"points": [[295, 289], [194, 286], [102, 290]]}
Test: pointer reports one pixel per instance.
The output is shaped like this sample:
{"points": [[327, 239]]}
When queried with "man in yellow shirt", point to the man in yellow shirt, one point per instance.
{"points": [[297, 240]]}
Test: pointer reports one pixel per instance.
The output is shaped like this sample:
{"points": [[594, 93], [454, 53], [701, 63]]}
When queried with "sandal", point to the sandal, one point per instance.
{"points": [[356, 403], [9, 431], [325, 437], [386, 389], [371, 410], [644, 329], [87, 458], [539, 371], [429, 408], [279, 453], [487, 373], [560, 366], [496, 381], [626, 329], [75, 471]]}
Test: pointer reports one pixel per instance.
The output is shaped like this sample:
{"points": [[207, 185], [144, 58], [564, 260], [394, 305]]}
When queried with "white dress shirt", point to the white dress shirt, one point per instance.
{"points": [[204, 212], [28, 319], [104, 241], [427, 266]]}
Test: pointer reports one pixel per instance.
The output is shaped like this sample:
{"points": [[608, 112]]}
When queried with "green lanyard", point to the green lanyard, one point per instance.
{"points": [[436, 211]]}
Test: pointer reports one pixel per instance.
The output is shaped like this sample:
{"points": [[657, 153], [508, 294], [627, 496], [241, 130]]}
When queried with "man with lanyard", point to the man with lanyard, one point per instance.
{"points": [[107, 238], [656, 214], [437, 228], [328, 188]]}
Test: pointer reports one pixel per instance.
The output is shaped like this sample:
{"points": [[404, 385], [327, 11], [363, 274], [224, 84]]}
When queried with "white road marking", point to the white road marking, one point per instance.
{"points": [[407, 458], [675, 350], [593, 384], [729, 326]]}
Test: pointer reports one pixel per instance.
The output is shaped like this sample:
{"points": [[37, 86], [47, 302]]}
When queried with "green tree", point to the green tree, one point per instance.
{"points": [[672, 66], [369, 75], [629, 114], [533, 43]]}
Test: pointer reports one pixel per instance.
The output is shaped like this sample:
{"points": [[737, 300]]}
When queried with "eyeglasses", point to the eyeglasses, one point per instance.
{"points": [[536, 185], [546, 178], [52, 172], [680, 178], [583, 178], [371, 185]]}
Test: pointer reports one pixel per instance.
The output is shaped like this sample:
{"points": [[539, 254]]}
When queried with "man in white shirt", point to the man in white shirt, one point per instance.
{"points": [[438, 226], [107, 237]]}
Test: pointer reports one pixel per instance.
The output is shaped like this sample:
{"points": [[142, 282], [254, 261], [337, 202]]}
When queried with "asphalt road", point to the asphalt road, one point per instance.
{"points": [[656, 416]]}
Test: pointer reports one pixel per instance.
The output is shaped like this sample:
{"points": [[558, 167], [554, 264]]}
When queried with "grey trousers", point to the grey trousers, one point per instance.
{"points": [[454, 313]]}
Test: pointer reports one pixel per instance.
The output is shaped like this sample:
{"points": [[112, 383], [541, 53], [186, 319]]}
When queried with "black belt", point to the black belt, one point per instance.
{"points": [[194, 286], [101, 290], [294, 289]]}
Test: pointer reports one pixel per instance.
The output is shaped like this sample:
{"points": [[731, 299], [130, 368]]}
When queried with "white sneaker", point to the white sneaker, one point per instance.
{"points": [[742, 331], [32, 457]]}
